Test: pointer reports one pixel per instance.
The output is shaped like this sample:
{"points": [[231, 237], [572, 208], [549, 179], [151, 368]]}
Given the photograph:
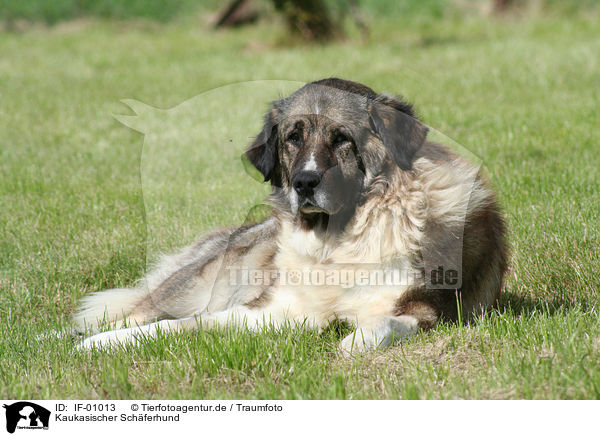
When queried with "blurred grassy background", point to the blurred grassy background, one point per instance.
{"points": [[168, 10], [59, 10], [519, 89]]}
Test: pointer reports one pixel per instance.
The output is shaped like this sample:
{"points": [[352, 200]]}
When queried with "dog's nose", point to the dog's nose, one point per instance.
{"points": [[305, 181]]}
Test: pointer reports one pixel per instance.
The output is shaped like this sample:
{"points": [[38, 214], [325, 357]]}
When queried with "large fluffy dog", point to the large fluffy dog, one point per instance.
{"points": [[371, 224]]}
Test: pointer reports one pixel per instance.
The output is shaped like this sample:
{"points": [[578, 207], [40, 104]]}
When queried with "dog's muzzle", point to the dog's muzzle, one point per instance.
{"points": [[305, 182]]}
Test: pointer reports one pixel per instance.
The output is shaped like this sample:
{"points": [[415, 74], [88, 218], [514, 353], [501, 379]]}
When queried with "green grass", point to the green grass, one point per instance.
{"points": [[521, 93], [60, 10]]}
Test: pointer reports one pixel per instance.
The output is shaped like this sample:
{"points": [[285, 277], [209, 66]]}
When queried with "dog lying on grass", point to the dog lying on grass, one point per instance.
{"points": [[371, 224]]}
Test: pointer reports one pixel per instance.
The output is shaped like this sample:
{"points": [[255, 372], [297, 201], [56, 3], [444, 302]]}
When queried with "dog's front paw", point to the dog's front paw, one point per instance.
{"points": [[357, 343], [378, 332]]}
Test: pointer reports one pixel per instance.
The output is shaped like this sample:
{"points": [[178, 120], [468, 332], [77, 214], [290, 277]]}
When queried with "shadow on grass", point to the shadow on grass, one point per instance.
{"points": [[520, 304]]}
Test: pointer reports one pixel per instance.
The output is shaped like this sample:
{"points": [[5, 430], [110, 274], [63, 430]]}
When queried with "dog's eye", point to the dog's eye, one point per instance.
{"points": [[294, 138], [340, 139]]}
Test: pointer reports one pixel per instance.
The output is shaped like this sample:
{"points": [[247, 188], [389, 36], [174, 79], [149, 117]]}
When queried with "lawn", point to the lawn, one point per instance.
{"points": [[519, 92]]}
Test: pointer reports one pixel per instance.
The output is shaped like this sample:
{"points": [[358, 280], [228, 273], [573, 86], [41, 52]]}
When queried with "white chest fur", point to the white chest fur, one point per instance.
{"points": [[355, 276]]}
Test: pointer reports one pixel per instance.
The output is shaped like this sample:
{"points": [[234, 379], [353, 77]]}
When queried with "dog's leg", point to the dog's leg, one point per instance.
{"points": [[380, 331], [383, 331], [239, 316], [134, 335]]}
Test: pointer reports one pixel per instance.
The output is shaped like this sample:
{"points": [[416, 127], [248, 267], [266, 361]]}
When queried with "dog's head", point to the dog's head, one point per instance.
{"points": [[322, 145]]}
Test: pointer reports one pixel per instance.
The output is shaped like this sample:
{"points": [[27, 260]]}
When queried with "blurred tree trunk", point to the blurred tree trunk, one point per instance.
{"points": [[309, 18], [236, 13], [502, 5]]}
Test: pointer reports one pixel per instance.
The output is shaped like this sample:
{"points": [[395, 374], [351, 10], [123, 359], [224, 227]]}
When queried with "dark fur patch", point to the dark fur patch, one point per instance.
{"points": [[401, 134], [263, 153], [484, 255], [426, 311], [348, 86]]}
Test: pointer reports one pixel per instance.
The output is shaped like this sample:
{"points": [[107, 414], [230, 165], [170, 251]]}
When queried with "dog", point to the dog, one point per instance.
{"points": [[371, 224]]}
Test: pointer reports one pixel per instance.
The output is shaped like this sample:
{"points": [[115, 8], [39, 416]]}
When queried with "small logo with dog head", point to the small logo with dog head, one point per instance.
{"points": [[26, 415]]}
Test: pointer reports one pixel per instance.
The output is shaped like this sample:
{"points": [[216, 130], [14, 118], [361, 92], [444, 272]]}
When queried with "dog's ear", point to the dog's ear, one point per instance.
{"points": [[401, 133], [262, 153]]}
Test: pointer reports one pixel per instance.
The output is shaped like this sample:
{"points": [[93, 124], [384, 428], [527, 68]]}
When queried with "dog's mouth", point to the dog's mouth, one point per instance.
{"points": [[326, 218], [309, 208], [312, 216]]}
